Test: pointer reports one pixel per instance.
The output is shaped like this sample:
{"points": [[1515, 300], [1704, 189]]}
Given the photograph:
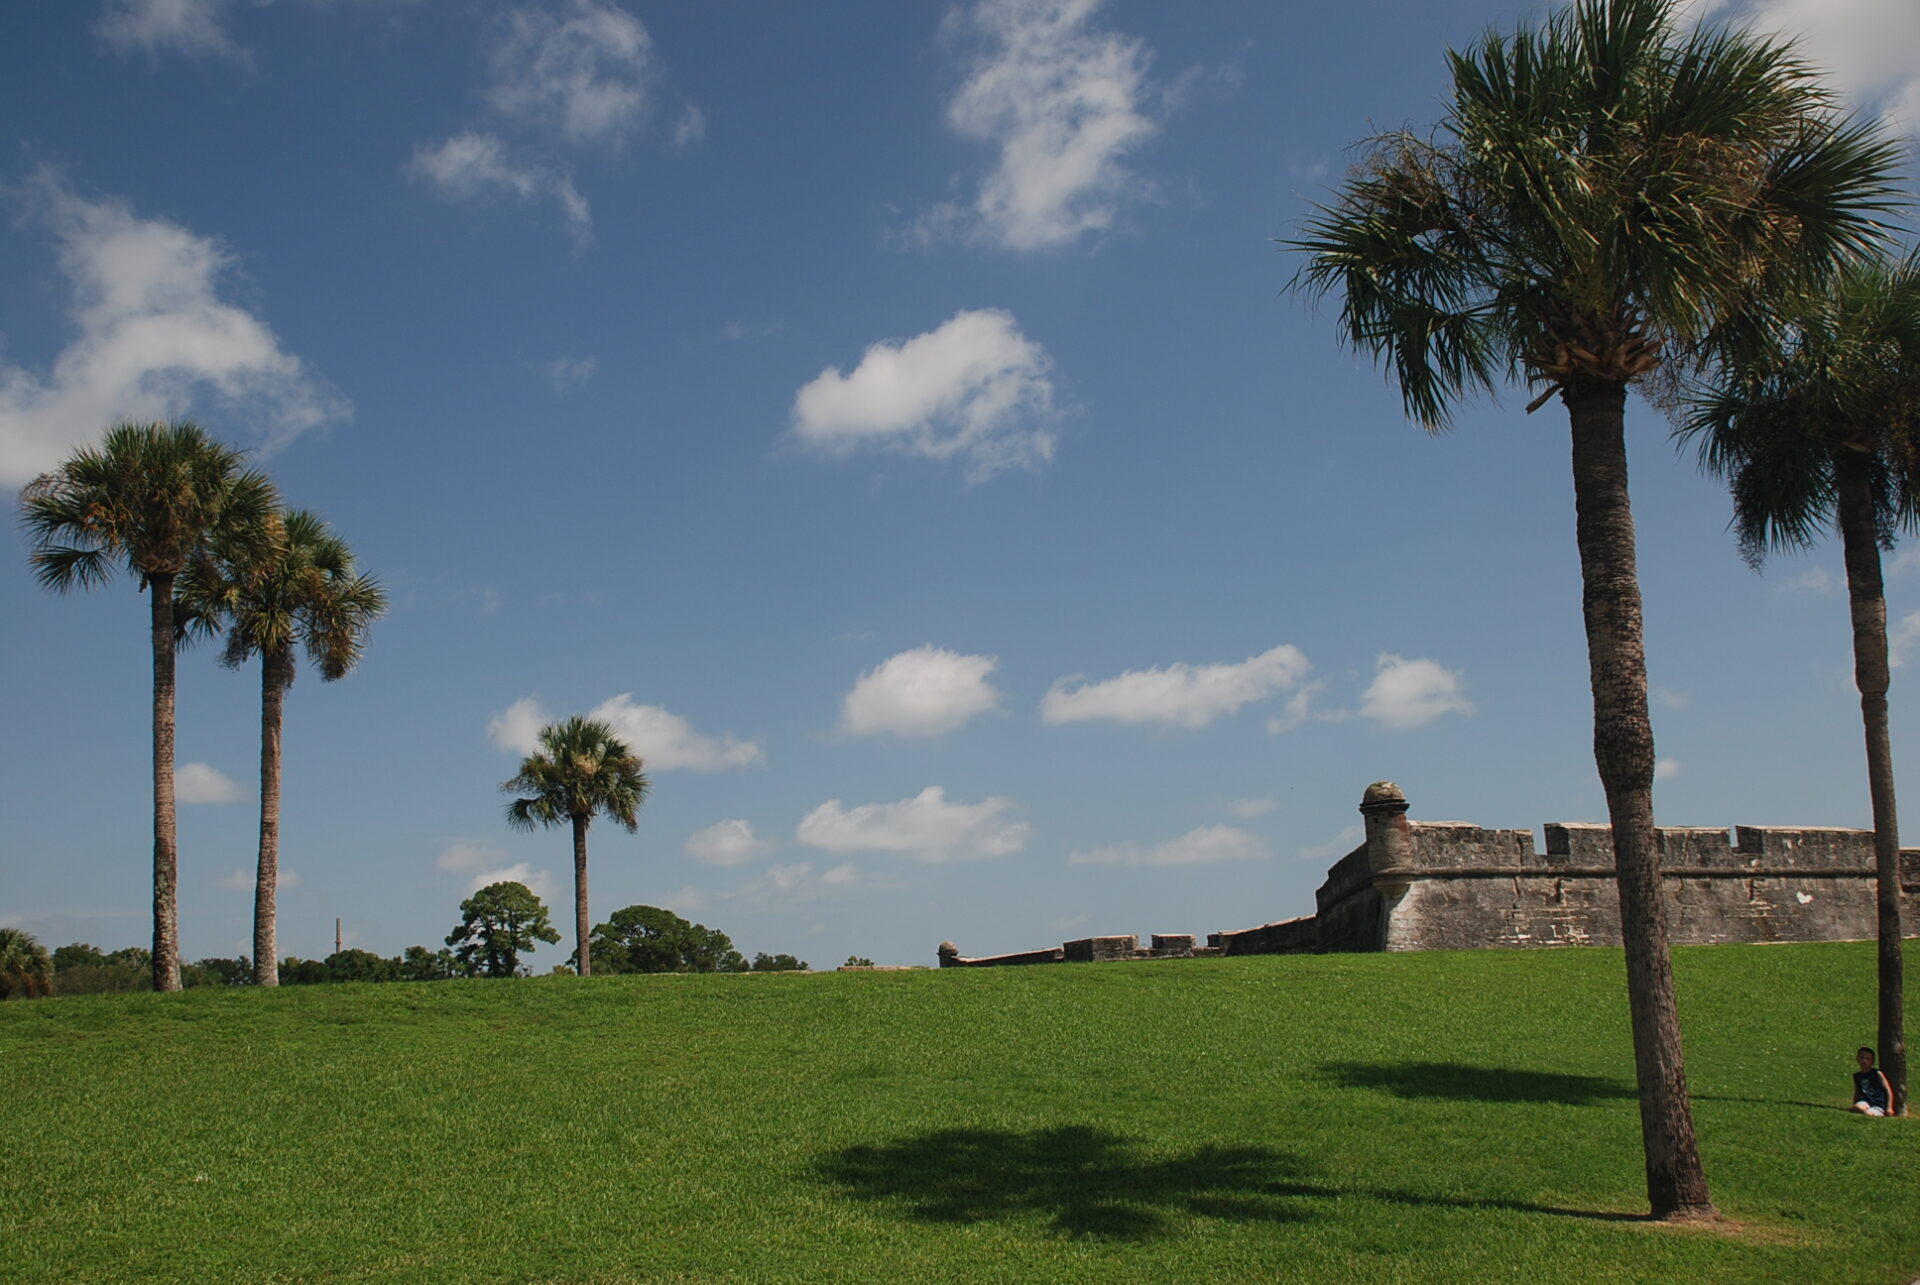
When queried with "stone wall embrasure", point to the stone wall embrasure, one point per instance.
{"points": [[1447, 885]]}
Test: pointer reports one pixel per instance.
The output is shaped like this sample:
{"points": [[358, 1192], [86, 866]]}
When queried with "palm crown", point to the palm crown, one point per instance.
{"points": [[580, 770], [1601, 192]]}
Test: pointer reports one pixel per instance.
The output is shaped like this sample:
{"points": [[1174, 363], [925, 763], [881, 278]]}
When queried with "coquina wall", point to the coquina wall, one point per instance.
{"points": [[1447, 885]]}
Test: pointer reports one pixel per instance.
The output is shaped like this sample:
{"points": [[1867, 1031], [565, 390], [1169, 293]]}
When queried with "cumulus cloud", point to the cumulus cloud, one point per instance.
{"points": [[243, 880], [154, 337], [1333, 849], [472, 165], [167, 26], [1412, 693], [1865, 47], [928, 691], [663, 740], [1063, 103], [1901, 636], [726, 843], [1181, 694], [1666, 769], [584, 69], [975, 388], [567, 373], [926, 827], [482, 865], [204, 783], [1247, 809], [1204, 846]]}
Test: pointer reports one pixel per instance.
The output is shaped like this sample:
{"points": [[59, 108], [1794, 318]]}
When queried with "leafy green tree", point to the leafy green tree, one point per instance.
{"points": [[419, 964], [857, 961], [1820, 432], [496, 924], [80, 969], [580, 769], [149, 500], [298, 591], [295, 971], [237, 971], [354, 965], [647, 939], [26, 969], [1604, 192], [765, 963]]}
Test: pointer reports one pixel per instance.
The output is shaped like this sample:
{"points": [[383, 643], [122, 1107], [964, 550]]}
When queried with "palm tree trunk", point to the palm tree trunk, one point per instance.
{"points": [[1623, 753], [166, 851], [276, 675], [1860, 538], [580, 825]]}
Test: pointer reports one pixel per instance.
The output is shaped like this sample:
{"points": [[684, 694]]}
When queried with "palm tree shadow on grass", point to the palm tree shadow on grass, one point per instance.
{"points": [[1462, 1082], [1084, 1181]]}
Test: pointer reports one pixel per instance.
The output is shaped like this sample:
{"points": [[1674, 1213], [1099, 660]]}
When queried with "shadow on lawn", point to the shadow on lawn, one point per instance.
{"points": [[1465, 1083], [1086, 1181]]}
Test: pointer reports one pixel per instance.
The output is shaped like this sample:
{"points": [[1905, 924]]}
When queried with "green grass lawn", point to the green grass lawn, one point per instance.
{"points": [[1436, 1117]]}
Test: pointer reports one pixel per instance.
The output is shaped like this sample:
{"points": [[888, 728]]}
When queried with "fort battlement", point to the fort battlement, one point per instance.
{"points": [[1449, 885]]}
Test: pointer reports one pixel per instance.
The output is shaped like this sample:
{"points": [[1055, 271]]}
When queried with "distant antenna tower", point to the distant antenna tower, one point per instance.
{"points": [[336, 935]]}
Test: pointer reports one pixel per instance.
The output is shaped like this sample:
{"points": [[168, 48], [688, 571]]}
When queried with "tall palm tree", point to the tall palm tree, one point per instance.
{"points": [[148, 499], [1822, 431], [580, 769], [1605, 191], [300, 591]]}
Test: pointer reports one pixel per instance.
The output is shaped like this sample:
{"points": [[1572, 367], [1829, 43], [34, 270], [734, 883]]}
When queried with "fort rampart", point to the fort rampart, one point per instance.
{"points": [[1447, 885]]}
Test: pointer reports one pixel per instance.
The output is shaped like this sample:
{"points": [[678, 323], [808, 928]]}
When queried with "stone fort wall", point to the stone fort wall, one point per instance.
{"points": [[1447, 885]]}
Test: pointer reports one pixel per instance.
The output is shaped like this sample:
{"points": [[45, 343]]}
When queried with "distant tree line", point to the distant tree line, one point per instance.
{"points": [[497, 923]]}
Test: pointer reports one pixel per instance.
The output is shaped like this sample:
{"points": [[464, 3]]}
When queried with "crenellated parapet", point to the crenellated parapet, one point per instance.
{"points": [[1448, 885]]}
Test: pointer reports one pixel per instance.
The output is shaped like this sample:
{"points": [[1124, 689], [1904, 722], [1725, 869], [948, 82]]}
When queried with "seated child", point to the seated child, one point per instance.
{"points": [[1872, 1095]]}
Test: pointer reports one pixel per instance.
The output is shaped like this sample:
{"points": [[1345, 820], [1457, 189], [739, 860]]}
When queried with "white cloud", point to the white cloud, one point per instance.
{"points": [[1299, 708], [470, 165], [844, 875], [480, 865], [682, 901], [928, 691], [240, 879], [204, 783], [726, 843], [1247, 809], [1866, 48], [1181, 694], [153, 337], [1062, 102], [584, 69], [1204, 846], [1901, 636], [690, 128], [158, 26], [663, 740], [1333, 849], [517, 727], [1667, 698], [1814, 580], [567, 373], [925, 827], [1666, 769], [975, 388], [1412, 693]]}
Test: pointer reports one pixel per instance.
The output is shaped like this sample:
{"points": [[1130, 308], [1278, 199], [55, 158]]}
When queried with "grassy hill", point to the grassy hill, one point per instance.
{"points": [[1443, 1117]]}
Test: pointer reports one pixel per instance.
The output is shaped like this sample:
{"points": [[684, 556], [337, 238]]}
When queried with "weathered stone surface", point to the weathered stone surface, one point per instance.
{"points": [[1450, 885]]}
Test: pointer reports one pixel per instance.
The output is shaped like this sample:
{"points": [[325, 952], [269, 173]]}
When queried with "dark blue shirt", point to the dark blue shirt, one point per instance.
{"points": [[1870, 1088]]}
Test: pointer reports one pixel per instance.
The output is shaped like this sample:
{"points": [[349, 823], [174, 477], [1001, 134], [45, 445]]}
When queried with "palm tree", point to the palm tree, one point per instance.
{"points": [[1604, 191], [580, 769], [1822, 431], [149, 499], [300, 591], [25, 965]]}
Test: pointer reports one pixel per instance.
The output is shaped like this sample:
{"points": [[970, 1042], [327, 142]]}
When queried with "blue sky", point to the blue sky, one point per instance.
{"points": [[891, 417]]}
